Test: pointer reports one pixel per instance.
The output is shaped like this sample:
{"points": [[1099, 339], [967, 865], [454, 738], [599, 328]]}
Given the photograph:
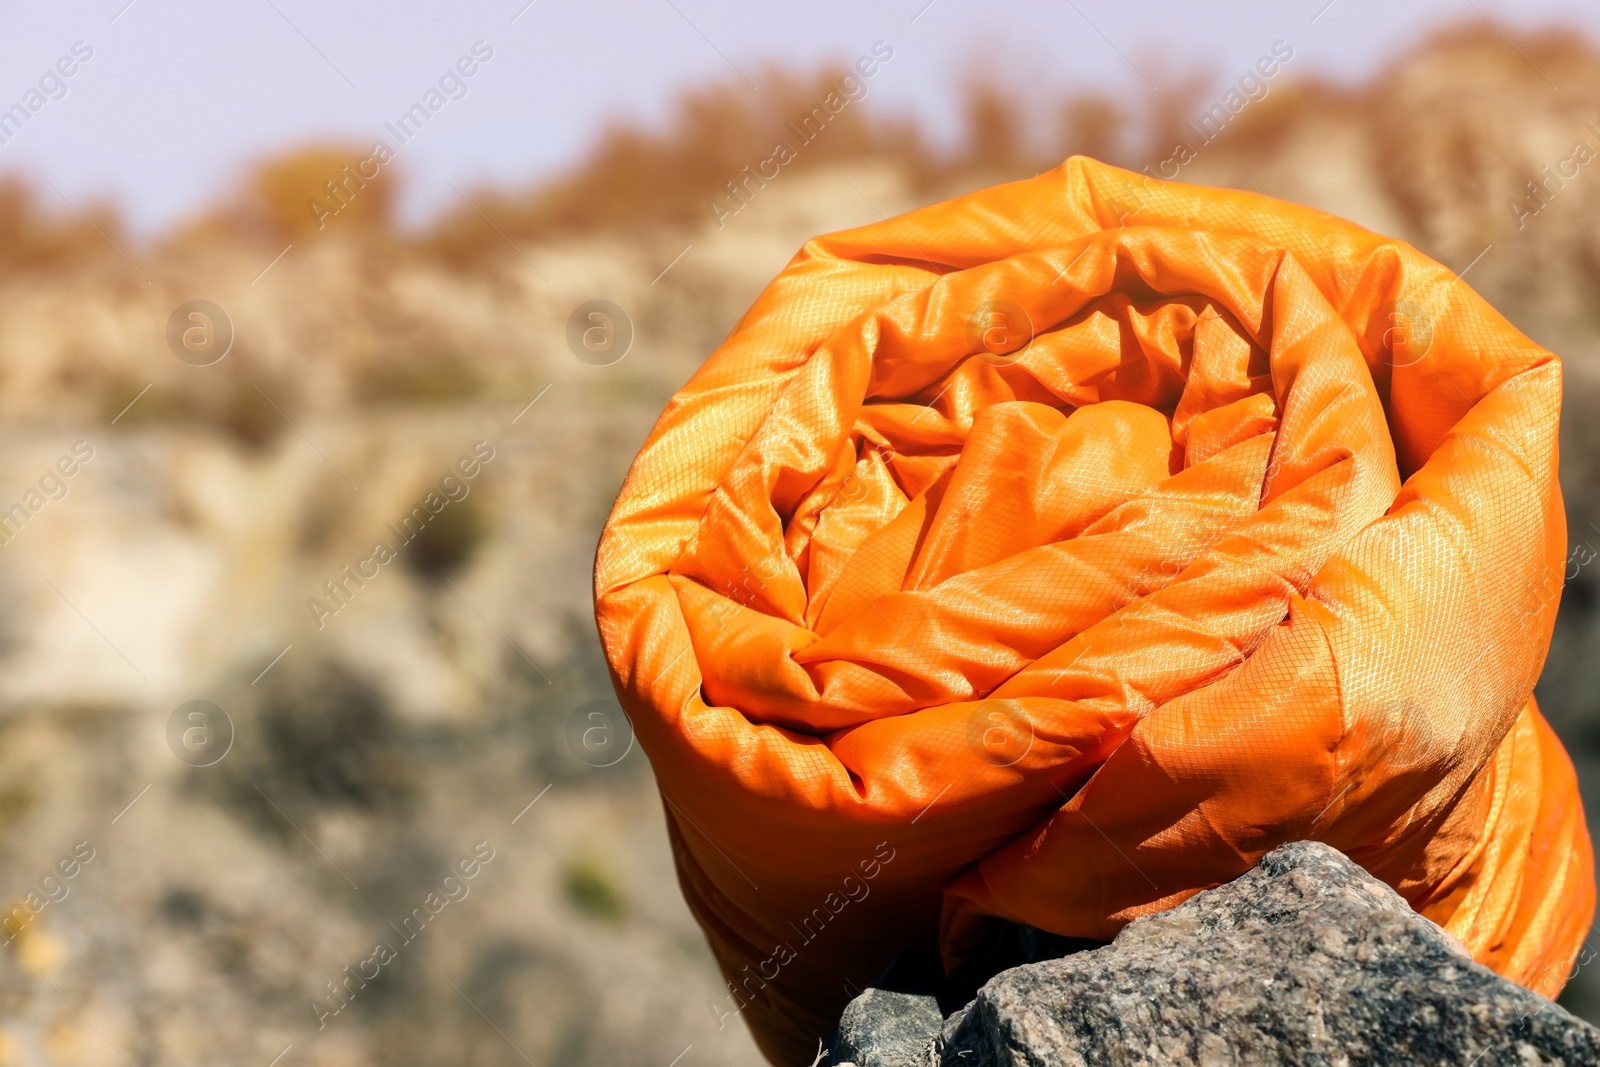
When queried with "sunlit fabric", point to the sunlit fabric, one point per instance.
{"points": [[1054, 552]]}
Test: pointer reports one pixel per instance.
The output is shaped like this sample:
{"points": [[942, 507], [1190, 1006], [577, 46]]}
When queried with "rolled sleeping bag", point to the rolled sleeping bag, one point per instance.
{"points": [[1052, 553]]}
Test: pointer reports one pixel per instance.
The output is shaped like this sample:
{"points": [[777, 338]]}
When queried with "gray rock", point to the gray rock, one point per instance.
{"points": [[1305, 960], [884, 1029]]}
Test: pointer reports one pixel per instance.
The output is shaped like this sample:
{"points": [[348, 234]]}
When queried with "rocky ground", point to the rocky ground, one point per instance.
{"points": [[375, 742]]}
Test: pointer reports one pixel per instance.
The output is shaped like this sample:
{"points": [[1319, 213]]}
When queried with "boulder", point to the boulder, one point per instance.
{"points": [[1304, 960]]}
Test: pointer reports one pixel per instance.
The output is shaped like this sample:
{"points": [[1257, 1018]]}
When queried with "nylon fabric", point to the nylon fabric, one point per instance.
{"points": [[1052, 553]]}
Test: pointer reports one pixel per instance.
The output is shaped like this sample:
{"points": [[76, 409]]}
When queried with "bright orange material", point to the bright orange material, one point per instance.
{"points": [[1054, 552]]}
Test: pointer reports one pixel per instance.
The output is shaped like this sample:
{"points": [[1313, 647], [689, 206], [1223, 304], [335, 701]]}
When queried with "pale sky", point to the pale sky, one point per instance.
{"points": [[180, 95]]}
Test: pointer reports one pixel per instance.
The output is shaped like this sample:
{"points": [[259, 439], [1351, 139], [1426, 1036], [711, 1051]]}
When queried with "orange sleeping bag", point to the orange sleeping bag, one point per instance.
{"points": [[1054, 552]]}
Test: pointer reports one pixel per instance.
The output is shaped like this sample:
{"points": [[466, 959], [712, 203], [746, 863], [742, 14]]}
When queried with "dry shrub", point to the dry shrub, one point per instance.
{"points": [[33, 238], [639, 175], [338, 187]]}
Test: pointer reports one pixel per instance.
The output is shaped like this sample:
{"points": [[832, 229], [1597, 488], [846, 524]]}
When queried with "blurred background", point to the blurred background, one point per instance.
{"points": [[391, 214]]}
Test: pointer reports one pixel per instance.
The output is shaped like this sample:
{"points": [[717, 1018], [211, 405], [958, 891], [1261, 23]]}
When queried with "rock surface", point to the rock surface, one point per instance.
{"points": [[1305, 960], [881, 1028]]}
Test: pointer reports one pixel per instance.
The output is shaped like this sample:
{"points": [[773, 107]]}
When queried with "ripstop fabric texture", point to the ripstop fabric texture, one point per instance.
{"points": [[1054, 552]]}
